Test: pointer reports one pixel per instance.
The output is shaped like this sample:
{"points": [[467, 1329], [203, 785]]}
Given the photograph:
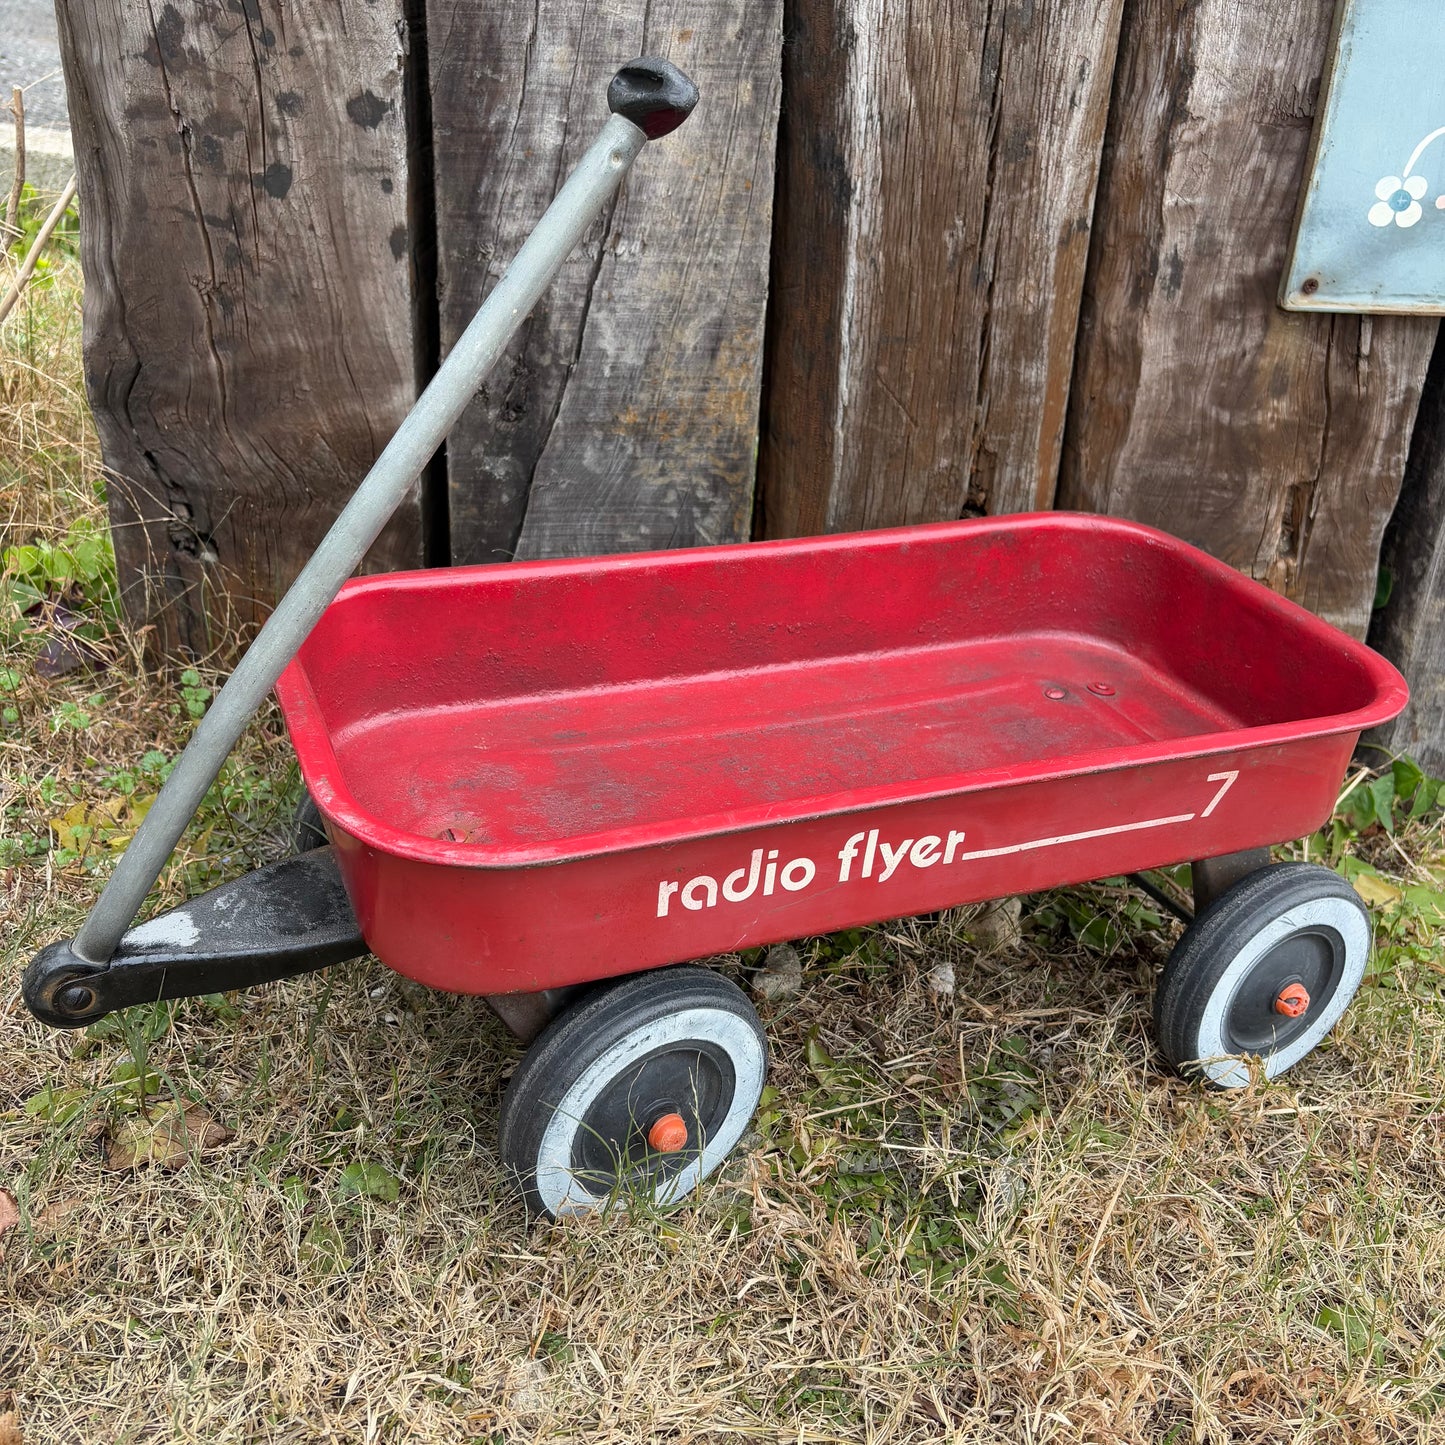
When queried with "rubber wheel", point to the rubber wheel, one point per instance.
{"points": [[307, 831], [1264, 971], [641, 1057]]}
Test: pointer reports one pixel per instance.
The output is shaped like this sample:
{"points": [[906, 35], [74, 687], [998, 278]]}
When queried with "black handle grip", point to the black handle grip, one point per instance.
{"points": [[653, 94]]}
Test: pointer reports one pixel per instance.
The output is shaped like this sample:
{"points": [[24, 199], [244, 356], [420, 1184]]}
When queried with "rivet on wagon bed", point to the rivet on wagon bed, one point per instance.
{"points": [[1055, 694], [1104, 689]]}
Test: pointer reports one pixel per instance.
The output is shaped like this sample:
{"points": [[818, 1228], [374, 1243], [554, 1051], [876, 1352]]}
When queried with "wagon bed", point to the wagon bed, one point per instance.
{"points": [[646, 720]]}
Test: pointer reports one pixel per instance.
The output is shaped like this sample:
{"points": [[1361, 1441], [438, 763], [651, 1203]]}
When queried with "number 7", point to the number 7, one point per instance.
{"points": [[1226, 782]]}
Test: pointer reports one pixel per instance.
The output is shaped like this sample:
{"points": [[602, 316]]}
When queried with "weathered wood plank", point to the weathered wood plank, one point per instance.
{"points": [[248, 305], [1410, 628], [625, 416], [1276, 441], [937, 166]]}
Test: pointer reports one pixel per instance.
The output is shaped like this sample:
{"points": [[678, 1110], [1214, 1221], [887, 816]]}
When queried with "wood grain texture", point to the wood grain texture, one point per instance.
{"points": [[248, 303], [1410, 628], [937, 168], [625, 415], [1275, 441]]}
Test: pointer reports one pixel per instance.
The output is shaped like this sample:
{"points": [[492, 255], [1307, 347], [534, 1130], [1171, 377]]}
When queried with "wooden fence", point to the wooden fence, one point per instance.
{"points": [[905, 263]]}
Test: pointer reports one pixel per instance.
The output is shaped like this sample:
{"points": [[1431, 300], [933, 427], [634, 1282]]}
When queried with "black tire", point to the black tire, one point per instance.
{"points": [[1244, 961], [307, 830], [680, 1042]]}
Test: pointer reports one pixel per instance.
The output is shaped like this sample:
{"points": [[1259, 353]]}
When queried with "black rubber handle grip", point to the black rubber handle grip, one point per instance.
{"points": [[653, 94]]}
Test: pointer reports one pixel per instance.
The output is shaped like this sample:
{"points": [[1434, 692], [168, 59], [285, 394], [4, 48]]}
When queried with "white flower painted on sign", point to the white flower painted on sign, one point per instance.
{"points": [[1397, 198], [1398, 201]]}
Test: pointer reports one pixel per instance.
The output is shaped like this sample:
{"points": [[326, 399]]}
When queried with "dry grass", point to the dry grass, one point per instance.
{"points": [[985, 1216], [49, 457]]}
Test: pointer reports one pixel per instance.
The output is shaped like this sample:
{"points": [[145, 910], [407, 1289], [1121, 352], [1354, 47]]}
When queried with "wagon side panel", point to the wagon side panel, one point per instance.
{"points": [[517, 930]]}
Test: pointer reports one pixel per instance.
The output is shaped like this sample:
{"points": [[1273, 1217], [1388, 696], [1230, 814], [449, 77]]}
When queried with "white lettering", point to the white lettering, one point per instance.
{"points": [[736, 895], [809, 873], [893, 857], [689, 894], [763, 874]]}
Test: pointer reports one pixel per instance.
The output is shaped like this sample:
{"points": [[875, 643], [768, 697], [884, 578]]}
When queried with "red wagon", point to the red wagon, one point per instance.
{"points": [[543, 781]]}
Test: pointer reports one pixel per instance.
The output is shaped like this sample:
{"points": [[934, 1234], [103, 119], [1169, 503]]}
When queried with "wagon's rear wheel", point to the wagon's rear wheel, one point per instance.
{"points": [[1265, 970], [639, 1090]]}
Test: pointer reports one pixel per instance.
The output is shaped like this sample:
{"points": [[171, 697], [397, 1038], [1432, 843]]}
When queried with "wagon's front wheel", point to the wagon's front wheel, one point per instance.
{"points": [[307, 829], [1266, 970], [638, 1090]]}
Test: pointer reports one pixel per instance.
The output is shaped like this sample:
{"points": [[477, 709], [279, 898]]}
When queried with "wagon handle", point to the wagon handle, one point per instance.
{"points": [[648, 98]]}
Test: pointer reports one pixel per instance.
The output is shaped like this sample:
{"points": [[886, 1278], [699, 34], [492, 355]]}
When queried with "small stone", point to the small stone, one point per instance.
{"points": [[417, 996], [781, 975], [527, 1391], [941, 981], [998, 926]]}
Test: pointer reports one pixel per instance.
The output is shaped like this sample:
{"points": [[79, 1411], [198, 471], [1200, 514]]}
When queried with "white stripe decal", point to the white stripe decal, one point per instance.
{"points": [[1073, 837]]}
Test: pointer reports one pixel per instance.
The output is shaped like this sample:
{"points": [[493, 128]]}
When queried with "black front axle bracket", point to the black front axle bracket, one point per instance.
{"points": [[291, 917]]}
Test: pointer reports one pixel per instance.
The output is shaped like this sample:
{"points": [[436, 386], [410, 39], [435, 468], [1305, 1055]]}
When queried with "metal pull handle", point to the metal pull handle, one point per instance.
{"points": [[648, 98]]}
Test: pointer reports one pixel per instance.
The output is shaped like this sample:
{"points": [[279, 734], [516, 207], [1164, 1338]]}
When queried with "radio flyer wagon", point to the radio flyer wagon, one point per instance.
{"points": [[545, 781]]}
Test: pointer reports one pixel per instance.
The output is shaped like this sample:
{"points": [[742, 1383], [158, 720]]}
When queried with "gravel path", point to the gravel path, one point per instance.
{"points": [[30, 56]]}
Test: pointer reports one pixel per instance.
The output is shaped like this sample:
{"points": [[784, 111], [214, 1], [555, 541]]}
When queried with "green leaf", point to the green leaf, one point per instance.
{"points": [[1354, 1326], [817, 1056], [56, 1106], [25, 560], [1426, 797], [89, 558], [1356, 813], [369, 1178], [1382, 796], [136, 1078], [323, 1250], [1407, 778], [1101, 934], [1384, 586], [1430, 901]]}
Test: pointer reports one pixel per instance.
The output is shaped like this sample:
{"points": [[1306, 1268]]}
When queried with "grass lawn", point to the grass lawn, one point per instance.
{"points": [[975, 1207]]}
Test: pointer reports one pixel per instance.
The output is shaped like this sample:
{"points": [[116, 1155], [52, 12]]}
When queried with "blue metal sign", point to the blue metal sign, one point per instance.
{"points": [[1370, 235]]}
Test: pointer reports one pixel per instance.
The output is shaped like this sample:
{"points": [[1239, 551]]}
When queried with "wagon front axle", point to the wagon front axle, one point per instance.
{"points": [[289, 918]]}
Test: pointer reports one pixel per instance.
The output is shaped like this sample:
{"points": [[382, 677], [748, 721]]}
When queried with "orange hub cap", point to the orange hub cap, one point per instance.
{"points": [[1293, 1000], [668, 1134]]}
